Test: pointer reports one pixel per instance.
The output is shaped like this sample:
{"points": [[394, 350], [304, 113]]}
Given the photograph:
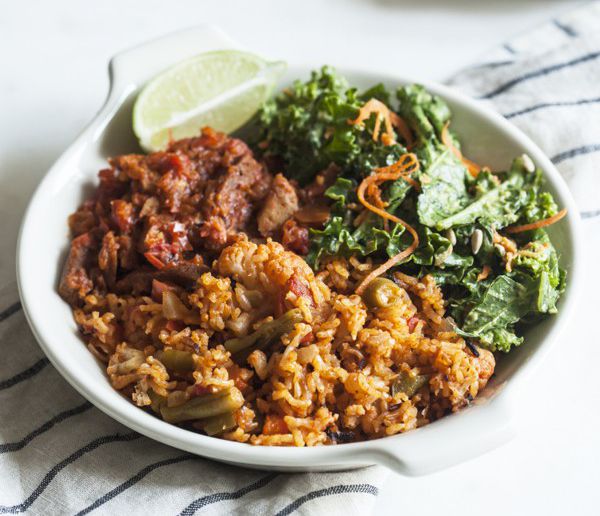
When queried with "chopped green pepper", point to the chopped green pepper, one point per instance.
{"points": [[176, 360], [219, 424], [409, 384], [157, 401], [203, 407], [241, 347]]}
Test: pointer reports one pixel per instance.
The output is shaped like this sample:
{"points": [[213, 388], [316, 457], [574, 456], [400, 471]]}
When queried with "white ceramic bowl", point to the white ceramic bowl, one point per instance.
{"points": [[43, 242]]}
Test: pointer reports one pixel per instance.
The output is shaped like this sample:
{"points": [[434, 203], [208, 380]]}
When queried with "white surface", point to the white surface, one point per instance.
{"points": [[53, 79]]}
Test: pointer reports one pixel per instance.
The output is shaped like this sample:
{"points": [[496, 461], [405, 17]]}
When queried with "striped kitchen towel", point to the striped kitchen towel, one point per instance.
{"points": [[60, 455], [547, 83]]}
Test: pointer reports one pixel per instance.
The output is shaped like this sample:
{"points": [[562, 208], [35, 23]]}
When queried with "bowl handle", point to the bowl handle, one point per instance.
{"points": [[139, 64], [131, 68], [449, 441]]}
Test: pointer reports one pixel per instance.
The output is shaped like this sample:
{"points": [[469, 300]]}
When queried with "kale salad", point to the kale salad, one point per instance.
{"points": [[396, 189]]}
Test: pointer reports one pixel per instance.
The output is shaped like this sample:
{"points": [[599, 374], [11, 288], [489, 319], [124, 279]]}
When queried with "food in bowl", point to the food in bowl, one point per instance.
{"points": [[346, 274]]}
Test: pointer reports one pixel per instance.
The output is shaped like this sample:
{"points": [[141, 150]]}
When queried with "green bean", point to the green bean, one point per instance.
{"points": [[265, 335], [176, 360], [255, 298], [409, 384], [203, 407], [157, 401], [219, 424], [381, 293]]}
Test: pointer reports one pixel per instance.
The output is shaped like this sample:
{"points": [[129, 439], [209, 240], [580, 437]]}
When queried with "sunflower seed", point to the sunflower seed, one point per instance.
{"points": [[528, 163], [500, 249], [476, 240], [451, 235]]}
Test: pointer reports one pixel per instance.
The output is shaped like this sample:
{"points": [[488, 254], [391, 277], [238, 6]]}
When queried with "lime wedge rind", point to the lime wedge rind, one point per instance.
{"points": [[267, 76], [222, 89]]}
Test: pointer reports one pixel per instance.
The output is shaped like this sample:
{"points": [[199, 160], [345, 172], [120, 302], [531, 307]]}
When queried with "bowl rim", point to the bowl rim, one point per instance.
{"points": [[399, 451]]}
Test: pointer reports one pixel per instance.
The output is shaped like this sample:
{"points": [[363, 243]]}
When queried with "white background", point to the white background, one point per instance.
{"points": [[53, 58]]}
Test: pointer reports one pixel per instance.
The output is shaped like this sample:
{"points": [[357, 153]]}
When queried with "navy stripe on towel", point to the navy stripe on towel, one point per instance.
{"points": [[329, 491], [565, 28], [578, 151], [492, 64], [18, 445], [96, 443], [132, 481], [12, 309], [24, 375], [541, 72], [590, 214], [524, 111], [220, 497]]}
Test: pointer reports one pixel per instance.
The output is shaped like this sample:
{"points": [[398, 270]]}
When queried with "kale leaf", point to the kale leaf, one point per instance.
{"points": [[444, 190], [491, 309], [499, 206], [442, 175], [307, 128], [502, 305], [340, 237]]}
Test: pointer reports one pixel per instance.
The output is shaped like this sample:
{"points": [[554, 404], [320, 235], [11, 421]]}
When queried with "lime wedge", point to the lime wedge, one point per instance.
{"points": [[221, 89]]}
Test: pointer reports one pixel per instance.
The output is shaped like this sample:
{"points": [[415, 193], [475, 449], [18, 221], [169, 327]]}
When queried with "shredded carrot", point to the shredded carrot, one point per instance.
{"points": [[406, 165], [399, 123], [384, 267], [485, 272], [382, 112], [401, 169], [472, 167], [538, 224]]}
